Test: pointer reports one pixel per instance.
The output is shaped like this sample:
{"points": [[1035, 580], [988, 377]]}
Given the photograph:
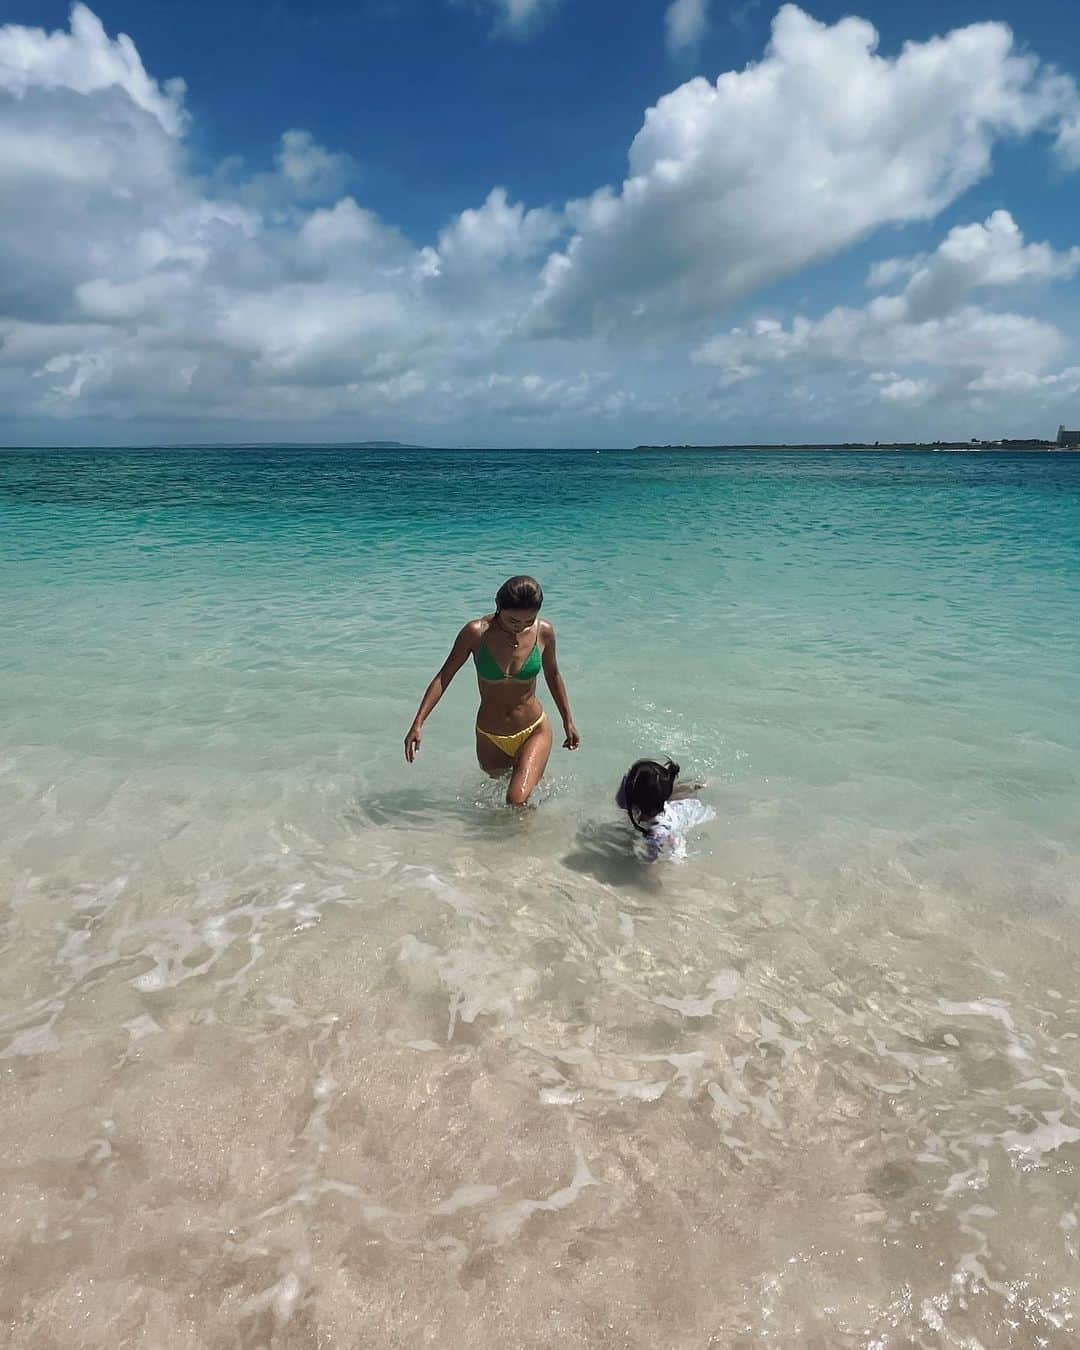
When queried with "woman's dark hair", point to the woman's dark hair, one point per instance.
{"points": [[519, 593], [647, 789]]}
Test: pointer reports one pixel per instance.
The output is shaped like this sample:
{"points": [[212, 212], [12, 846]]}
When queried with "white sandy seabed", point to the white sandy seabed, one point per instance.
{"points": [[285, 1065]]}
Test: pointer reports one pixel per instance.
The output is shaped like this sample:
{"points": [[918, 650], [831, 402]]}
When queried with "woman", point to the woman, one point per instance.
{"points": [[509, 647]]}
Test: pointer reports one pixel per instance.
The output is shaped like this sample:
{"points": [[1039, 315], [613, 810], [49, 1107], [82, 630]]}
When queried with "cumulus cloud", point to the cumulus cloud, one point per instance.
{"points": [[1067, 144], [969, 339], [685, 22], [499, 231], [125, 288], [85, 61], [131, 288], [735, 184], [906, 391], [344, 232], [970, 258], [89, 170], [931, 322], [310, 169], [1025, 382], [886, 271]]}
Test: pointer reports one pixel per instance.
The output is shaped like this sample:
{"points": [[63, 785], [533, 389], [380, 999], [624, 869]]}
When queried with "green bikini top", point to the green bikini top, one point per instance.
{"points": [[489, 669]]}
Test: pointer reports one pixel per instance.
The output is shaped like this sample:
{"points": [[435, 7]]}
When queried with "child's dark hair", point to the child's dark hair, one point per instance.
{"points": [[519, 593], [647, 789]]}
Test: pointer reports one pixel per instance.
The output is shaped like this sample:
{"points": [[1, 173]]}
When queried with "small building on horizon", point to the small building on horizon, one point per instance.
{"points": [[1065, 437]]}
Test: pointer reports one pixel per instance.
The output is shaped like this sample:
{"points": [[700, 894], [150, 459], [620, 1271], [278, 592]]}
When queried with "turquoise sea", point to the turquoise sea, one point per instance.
{"points": [[303, 1046]]}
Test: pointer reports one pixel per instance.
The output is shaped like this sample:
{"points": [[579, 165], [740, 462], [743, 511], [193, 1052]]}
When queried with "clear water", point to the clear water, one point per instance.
{"points": [[303, 1046]]}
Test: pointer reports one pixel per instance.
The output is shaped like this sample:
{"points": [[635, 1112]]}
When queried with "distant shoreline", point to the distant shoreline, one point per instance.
{"points": [[1034, 447], [923, 447]]}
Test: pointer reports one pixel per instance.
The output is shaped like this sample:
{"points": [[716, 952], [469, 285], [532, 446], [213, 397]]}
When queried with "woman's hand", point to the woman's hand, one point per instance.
{"points": [[573, 740], [412, 743]]}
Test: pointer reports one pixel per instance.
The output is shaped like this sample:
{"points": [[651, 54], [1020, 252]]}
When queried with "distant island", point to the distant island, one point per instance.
{"points": [[279, 445], [1032, 445], [237, 445]]}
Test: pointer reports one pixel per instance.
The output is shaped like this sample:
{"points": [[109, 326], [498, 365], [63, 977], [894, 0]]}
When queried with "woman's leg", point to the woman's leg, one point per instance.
{"points": [[491, 759], [530, 765]]}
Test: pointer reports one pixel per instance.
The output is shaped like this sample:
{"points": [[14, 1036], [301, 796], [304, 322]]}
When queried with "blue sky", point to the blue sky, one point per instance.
{"points": [[538, 221]]}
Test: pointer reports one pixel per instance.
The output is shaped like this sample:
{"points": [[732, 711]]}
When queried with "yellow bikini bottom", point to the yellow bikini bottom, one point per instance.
{"points": [[510, 745]]}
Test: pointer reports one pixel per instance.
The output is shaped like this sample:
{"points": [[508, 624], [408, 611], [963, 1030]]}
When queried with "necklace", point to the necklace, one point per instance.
{"points": [[510, 632]]}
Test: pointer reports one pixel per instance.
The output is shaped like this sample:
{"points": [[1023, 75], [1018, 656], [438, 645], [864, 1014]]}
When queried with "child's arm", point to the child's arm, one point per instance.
{"points": [[687, 788], [652, 846]]}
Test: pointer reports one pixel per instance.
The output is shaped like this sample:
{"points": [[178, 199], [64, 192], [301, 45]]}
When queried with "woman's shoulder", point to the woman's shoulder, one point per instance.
{"points": [[473, 632], [546, 629]]}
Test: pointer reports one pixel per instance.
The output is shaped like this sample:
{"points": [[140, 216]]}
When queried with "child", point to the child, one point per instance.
{"points": [[646, 795]]}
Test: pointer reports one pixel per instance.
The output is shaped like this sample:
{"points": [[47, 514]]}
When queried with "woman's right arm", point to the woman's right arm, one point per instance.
{"points": [[464, 645]]}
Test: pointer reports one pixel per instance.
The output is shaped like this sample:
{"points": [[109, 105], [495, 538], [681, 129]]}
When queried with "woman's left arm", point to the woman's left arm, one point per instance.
{"points": [[558, 690]]}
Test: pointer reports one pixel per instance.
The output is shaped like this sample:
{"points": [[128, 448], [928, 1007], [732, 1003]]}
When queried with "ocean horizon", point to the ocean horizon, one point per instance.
{"points": [[305, 1045], [846, 447]]}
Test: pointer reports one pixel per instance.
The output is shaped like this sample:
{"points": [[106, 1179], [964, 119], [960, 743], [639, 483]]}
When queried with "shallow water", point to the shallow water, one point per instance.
{"points": [[303, 1047]]}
